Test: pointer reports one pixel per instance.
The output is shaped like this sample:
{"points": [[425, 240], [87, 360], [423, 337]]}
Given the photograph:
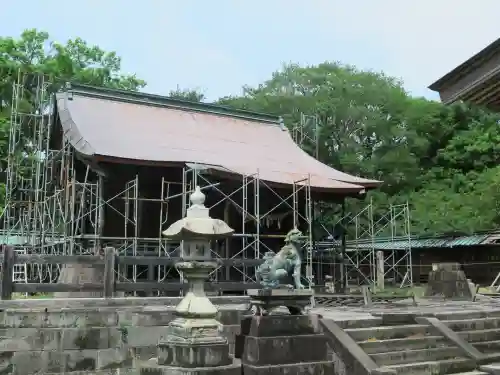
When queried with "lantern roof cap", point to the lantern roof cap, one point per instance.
{"points": [[198, 223]]}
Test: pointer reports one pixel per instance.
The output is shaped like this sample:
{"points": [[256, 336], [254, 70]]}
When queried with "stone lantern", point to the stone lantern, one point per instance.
{"points": [[194, 341]]}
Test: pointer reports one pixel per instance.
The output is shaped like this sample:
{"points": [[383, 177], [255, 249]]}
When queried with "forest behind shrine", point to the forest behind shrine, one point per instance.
{"points": [[443, 160]]}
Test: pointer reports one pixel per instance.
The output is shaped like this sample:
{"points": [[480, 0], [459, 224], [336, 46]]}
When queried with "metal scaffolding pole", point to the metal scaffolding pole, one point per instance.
{"points": [[364, 231]]}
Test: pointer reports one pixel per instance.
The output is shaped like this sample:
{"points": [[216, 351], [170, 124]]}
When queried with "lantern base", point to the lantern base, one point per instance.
{"points": [[193, 345], [195, 331]]}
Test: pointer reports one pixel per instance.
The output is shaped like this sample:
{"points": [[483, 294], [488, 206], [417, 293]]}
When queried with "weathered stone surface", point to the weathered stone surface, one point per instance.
{"points": [[25, 363], [276, 325], [90, 336], [128, 302], [265, 300], [281, 344], [6, 366], [447, 280], [261, 351], [210, 355], [314, 368], [83, 274], [153, 369]]}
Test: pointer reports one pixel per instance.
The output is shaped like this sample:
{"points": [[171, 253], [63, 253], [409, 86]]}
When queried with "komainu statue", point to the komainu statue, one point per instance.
{"points": [[279, 267]]}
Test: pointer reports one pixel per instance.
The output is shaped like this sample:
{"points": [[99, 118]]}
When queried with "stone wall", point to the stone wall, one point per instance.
{"points": [[92, 336]]}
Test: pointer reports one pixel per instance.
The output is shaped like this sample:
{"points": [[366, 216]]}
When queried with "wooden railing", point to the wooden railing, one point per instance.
{"points": [[109, 261]]}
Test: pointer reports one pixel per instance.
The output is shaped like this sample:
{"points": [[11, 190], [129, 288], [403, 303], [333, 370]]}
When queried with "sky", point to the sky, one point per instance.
{"points": [[218, 46]]}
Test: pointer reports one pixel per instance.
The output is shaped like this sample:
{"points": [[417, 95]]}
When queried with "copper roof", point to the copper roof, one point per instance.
{"points": [[142, 127]]}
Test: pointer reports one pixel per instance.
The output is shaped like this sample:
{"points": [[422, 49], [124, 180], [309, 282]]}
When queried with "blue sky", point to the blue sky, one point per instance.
{"points": [[220, 45]]}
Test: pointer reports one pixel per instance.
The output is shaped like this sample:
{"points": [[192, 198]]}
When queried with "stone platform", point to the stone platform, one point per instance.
{"points": [[281, 344]]}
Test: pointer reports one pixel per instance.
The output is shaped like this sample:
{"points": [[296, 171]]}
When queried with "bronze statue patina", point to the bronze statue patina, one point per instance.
{"points": [[277, 267]]}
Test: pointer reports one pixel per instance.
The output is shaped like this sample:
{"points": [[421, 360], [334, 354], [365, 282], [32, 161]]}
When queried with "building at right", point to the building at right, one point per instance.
{"points": [[476, 81]]}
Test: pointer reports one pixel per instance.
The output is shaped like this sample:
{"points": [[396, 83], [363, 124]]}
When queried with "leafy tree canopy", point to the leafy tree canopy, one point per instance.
{"points": [[443, 160]]}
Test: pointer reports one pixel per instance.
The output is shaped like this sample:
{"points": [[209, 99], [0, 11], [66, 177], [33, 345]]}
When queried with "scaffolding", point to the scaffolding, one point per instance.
{"points": [[305, 133], [353, 259], [57, 203], [361, 231], [255, 216]]}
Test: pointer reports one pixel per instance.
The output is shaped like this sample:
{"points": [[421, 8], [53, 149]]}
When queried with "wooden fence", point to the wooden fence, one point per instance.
{"points": [[110, 284]]}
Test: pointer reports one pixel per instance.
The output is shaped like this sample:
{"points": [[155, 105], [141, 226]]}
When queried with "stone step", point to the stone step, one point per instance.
{"points": [[388, 332], [466, 314], [492, 368], [418, 355], [473, 324], [488, 347], [347, 323], [447, 366], [473, 372], [480, 335], [392, 345]]}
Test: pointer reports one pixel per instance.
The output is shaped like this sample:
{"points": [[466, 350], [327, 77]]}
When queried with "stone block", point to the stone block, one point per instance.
{"points": [[153, 316], [231, 316], [24, 363], [95, 360], [58, 318], [276, 325], [6, 362], [314, 368], [93, 338], [187, 355], [118, 358], [80, 360], [145, 353], [30, 339], [282, 344], [447, 280], [154, 369], [145, 336], [260, 351]]}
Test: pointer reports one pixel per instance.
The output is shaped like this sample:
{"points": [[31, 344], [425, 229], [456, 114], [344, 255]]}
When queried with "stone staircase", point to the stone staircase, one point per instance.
{"points": [[409, 348], [477, 328]]}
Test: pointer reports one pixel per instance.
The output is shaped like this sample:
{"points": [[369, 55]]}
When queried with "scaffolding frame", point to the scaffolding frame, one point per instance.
{"points": [[52, 211], [306, 133], [391, 225], [364, 231], [253, 242]]}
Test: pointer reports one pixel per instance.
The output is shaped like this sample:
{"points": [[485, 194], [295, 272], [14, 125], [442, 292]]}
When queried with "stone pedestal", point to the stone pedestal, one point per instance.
{"points": [[448, 281], [194, 344], [281, 344], [262, 301]]}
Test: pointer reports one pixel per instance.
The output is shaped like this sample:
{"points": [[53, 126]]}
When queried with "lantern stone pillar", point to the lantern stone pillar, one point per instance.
{"points": [[194, 343]]}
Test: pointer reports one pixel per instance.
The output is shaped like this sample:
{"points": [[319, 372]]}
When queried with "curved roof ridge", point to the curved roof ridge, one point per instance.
{"points": [[101, 126], [137, 97]]}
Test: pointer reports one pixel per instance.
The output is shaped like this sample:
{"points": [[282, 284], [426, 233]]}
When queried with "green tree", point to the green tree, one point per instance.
{"points": [[75, 61], [33, 54], [187, 94], [361, 121], [442, 159]]}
